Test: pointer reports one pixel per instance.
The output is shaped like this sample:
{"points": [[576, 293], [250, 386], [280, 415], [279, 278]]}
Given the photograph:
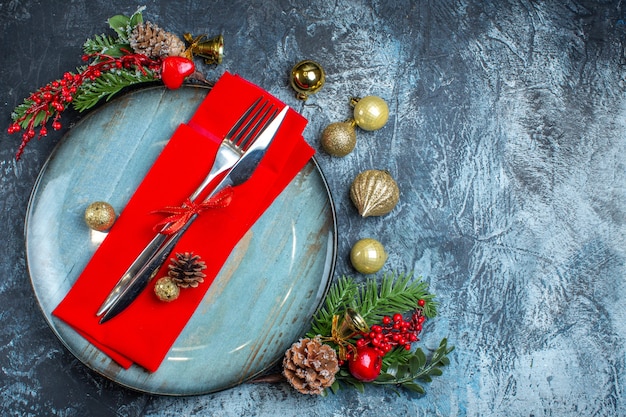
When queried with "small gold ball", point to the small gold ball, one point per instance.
{"points": [[368, 256], [166, 289], [307, 77], [370, 113], [339, 139], [100, 216]]}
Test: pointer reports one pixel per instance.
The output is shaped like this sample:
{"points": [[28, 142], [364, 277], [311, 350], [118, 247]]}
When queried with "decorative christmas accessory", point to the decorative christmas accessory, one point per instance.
{"points": [[139, 53], [175, 69], [339, 139], [380, 353], [150, 40], [307, 77], [370, 113], [374, 193], [310, 366], [166, 289], [185, 270], [100, 216], [178, 216], [368, 256], [212, 50], [366, 364]]}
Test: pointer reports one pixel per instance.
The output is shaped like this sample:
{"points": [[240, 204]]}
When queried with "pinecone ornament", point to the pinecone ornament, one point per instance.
{"points": [[310, 366], [149, 39], [186, 270]]}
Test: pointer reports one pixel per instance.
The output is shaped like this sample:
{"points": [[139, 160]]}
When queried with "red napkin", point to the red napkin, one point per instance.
{"points": [[146, 330]]}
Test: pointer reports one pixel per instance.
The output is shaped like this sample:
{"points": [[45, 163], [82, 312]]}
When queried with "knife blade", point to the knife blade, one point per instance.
{"points": [[238, 174]]}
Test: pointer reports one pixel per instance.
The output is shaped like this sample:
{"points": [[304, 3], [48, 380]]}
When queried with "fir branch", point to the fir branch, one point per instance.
{"points": [[396, 293], [107, 85], [105, 45], [339, 295]]}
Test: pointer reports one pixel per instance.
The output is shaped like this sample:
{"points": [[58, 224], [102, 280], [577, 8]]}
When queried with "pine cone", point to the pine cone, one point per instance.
{"points": [[310, 366], [149, 39], [186, 270]]}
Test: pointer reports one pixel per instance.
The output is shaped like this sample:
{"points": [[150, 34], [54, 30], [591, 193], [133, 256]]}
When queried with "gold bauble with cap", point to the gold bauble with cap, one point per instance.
{"points": [[307, 77], [374, 192], [370, 112], [339, 138], [368, 256]]}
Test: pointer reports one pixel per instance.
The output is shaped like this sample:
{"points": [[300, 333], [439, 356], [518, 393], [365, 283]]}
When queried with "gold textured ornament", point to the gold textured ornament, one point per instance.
{"points": [[100, 216], [368, 256], [307, 77], [339, 139], [166, 289], [370, 113], [374, 192]]}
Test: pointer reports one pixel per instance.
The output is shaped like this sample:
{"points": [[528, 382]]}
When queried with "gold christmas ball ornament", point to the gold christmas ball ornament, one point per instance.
{"points": [[370, 113], [339, 139], [307, 77], [368, 256], [374, 193], [166, 289], [100, 216]]}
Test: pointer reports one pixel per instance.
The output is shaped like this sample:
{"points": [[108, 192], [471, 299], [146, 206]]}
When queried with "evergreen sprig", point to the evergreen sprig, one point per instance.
{"points": [[396, 293], [105, 45], [109, 84]]}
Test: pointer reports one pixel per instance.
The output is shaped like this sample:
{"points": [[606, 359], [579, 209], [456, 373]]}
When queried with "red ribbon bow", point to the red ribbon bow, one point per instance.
{"points": [[178, 216]]}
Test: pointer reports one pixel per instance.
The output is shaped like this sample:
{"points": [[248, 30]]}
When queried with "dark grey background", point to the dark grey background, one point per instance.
{"points": [[506, 136]]}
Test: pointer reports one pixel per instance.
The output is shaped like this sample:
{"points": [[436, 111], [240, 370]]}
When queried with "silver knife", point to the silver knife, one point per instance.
{"points": [[238, 174]]}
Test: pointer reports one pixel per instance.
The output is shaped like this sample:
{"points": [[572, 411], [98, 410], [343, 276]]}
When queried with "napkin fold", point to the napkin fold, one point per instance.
{"points": [[147, 329]]}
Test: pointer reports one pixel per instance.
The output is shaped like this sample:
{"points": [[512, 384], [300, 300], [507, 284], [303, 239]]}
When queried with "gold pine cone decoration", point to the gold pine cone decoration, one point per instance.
{"points": [[374, 193], [310, 366], [339, 139], [186, 270], [149, 39]]}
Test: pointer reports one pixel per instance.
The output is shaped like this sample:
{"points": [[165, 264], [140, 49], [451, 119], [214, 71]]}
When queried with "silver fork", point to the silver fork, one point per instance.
{"points": [[238, 139]]}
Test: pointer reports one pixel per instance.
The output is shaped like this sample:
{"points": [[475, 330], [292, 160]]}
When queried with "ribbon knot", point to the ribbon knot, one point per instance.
{"points": [[178, 216]]}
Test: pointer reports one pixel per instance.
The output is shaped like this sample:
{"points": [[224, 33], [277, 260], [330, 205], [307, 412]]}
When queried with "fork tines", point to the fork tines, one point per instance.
{"points": [[251, 122]]}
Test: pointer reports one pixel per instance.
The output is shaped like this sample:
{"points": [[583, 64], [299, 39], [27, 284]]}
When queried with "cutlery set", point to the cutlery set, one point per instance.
{"points": [[238, 155]]}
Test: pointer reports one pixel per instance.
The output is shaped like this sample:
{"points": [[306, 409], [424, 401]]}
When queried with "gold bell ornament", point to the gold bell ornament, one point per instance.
{"points": [[374, 192], [370, 113], [346, 328], [368, 256], [307, 77], [212, 50]]}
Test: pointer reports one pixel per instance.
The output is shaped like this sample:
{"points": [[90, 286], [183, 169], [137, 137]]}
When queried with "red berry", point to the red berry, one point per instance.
{"points": [[56, 125], [386, 320], [366, 364], [421, 303], [397, 317]]}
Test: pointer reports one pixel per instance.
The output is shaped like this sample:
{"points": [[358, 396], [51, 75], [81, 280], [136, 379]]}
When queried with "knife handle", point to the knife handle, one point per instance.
{"points": [[139, 281], [145, 255]]}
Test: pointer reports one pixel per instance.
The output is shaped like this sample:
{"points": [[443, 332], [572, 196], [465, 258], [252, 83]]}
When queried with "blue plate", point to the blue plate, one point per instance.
{"points": [[260, 303]]}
